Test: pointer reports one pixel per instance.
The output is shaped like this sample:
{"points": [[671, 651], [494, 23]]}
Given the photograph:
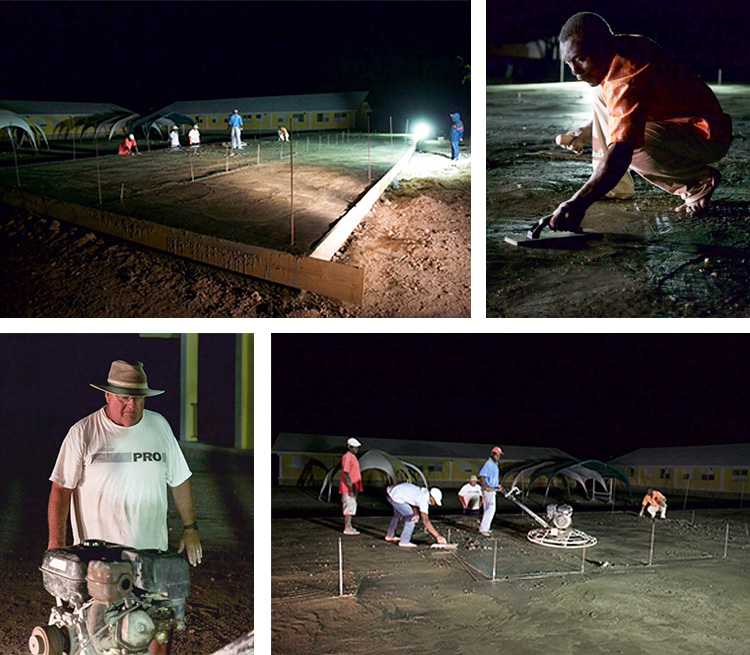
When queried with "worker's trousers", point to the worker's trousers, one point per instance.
{"points": [[672, 157], [236, 137], [652, 510], [488, 500], [455, 150], [406, 512]]}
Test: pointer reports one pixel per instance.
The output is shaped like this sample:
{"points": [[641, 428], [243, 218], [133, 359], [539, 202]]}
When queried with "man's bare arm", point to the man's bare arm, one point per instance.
{"points": [[190, 540], [608, 173], [58, 509]]}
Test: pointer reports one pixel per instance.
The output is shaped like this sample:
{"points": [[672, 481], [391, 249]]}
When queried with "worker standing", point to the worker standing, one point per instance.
{"points": [[194, 137], [490, 477], [654, 501], [174, 138], [457, 135], [470, 496], [350, 484], [235, 125], [409, 503]]}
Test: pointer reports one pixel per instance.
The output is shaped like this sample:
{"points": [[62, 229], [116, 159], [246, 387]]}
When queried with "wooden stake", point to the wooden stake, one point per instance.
{"points": [[684, 502], [692, 520], [726, 541], [98, 170], [341, 571], [494, 563], [258, 153], [122, 191], [192, 173], [291, 178], [369, 159], [651, 552], [583, 560]]}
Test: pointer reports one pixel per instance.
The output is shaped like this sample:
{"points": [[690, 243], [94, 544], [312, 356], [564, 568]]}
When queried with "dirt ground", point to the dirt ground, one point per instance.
{"points": [[414, 245], [607, 600], [651, 261], [220, 606]]}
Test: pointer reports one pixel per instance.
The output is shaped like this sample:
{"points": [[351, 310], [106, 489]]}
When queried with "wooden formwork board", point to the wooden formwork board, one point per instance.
{"points": [[312, 274], [340, 232]]}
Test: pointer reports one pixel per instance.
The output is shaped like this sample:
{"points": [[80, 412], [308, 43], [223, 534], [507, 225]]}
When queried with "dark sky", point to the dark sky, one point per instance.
{"points": [[145, 55], [705, 35], [593, 396], [45, 387]]}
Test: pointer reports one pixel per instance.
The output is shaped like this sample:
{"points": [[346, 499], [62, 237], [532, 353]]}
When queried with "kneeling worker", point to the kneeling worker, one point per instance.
{"points": [[651, 114], [654, 501], [409, 502]]}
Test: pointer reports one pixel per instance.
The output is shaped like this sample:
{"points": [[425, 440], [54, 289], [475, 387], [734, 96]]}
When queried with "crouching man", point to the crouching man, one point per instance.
{"points": [[409, 503], [651, 114]]}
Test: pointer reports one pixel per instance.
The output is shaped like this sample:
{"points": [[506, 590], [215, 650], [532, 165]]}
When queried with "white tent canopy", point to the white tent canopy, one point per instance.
{"points": [[9, 120], [395, 469]]}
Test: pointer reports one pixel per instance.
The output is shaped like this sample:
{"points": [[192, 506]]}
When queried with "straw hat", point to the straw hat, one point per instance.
{"points": [[127, 379]]}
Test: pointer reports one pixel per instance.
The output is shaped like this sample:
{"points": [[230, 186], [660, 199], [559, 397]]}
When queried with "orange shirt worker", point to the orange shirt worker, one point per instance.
{"points": [[651, 114], [654, 501], [350, 484]]}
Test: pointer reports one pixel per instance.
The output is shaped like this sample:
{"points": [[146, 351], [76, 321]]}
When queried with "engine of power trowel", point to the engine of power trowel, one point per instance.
{"points": [[111, 600]]}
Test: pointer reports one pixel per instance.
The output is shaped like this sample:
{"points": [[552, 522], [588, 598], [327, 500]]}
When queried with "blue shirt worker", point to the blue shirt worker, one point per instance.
{"points": [[235, 124], [457, 135], [490, 477], [409, 503]]}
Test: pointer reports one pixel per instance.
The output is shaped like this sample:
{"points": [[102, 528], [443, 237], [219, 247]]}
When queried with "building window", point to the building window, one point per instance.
{"points": [[687, 475], [258, 117], [631, 471], [299, 462], [341, 117], [435, 468], [465, 467], [708, 474], [199, 119], [739, 474], [298, 118], [664, 474], [214, 120], [281, 120], [41, 122], [322, 118]]}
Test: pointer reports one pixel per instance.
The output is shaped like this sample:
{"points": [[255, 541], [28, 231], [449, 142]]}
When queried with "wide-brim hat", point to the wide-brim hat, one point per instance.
{"points": [[127, 379]]}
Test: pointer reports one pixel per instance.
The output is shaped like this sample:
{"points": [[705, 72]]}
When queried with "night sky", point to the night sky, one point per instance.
{"points": [[593, 396], [146, 55], [705, 35]]}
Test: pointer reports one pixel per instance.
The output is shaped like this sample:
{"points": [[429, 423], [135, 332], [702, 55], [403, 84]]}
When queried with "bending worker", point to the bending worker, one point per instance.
{"points": [[654, 501], [651, 114], [409, 503]]}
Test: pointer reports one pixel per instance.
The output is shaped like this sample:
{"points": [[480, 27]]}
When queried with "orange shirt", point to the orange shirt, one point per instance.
{"points": [[350, 465], [645, 83], [657, 500]]}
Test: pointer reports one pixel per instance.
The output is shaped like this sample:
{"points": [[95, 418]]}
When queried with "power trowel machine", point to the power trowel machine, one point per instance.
{"points": [[111, 600]]}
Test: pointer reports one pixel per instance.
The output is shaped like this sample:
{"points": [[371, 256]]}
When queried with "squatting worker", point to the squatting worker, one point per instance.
{"points": [[651, 114], [409, 503], [113, 471], [654, 501], [490, 478], [470, 496], [129, 146], [350, 484]]}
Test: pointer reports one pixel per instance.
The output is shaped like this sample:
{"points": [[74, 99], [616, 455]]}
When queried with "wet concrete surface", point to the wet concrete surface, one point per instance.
{"points": [[651, 262]]}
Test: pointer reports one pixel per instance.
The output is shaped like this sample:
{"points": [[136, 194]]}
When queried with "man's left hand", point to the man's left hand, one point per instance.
{"points": [[568, 216], [191, 542]]}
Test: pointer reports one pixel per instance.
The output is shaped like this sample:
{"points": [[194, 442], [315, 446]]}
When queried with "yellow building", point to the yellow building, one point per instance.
{"points": [[712, 470], [264, 115], [305, 458]]}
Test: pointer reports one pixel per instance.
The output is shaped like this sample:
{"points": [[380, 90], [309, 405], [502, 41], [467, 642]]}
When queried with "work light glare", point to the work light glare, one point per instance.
{"points": [[421, 131]]}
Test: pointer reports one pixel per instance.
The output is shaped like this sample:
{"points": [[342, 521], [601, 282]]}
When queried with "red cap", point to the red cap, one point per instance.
{"points": [[497, 450]]}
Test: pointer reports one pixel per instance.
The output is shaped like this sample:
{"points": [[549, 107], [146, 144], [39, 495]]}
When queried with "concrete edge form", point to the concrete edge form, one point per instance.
{"points": [[344, 227], [311, 274]]}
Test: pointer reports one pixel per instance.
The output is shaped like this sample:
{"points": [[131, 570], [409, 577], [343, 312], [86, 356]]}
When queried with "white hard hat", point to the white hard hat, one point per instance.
{"points": [[130, 136], [353, 442], [437, 495]]}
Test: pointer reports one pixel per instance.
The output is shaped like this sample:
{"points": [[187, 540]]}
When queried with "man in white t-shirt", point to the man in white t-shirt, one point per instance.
{"points": [[470, 496], [174, 138], [194, 136], [113, 471], [409, 503]]}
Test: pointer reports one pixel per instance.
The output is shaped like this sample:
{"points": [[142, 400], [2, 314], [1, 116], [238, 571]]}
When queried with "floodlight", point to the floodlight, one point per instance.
{"points": [[421, 131]]}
